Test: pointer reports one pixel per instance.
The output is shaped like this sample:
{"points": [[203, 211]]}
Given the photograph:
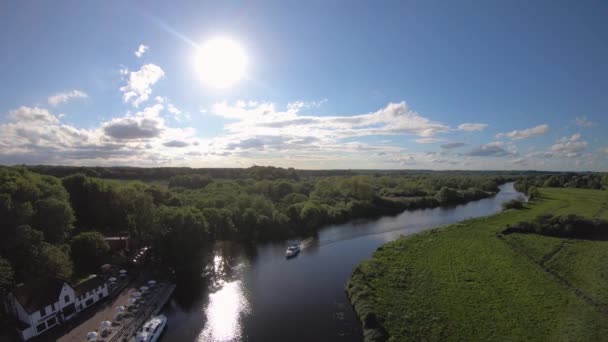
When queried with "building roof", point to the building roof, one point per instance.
{"points": [[33, 297], [92, 282]]}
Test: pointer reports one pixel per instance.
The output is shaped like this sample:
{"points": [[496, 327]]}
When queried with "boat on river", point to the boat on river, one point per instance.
{"points": [[152, 329], [292, 251]]}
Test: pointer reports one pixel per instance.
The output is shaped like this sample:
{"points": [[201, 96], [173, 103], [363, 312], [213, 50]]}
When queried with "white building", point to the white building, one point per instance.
{"points": [[41, 306]]}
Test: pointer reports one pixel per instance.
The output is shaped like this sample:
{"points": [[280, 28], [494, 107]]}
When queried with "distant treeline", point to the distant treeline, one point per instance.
{"points": [[568, 226], [255, 172], [563, 180]]}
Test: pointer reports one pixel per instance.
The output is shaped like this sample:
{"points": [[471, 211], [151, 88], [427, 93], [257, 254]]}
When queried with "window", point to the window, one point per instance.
{"points": [[40, 327], [43, 312], [66, 298], [51, 321]]}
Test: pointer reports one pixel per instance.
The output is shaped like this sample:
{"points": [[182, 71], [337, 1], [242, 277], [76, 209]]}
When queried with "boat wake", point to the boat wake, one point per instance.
{"points": [[307, 242]]}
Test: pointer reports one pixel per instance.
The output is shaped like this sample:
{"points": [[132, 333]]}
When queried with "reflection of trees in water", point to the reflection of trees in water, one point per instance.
{"points": [[226, 261], [220, 264], [190, 285]]}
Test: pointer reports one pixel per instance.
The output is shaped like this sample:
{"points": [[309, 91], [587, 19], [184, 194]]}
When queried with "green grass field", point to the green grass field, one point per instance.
{"points": [[467, 282]]}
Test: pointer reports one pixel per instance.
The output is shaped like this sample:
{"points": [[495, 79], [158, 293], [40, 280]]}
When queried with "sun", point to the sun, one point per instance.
{"points": [[221, 62]]}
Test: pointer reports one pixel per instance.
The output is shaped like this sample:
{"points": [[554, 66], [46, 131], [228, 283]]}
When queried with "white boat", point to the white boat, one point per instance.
{"points": [[292, 251], [152, 329]]}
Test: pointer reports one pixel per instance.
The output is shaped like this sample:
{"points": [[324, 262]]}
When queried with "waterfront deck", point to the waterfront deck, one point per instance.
{"points": [[154, 300]]}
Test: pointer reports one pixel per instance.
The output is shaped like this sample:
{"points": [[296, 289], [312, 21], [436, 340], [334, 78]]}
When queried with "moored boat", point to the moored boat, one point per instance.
{"points": [[152, 329]]}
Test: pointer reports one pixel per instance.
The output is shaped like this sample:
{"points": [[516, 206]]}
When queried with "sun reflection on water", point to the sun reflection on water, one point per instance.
{"points": [[226, 306], [223, 313]]}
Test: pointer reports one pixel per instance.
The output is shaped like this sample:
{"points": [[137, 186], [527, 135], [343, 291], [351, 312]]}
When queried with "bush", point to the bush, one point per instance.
{"points": [[569, 226], [513, 204]]}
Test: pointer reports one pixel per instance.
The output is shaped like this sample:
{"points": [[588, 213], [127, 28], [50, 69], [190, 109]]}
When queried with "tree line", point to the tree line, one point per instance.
{"points": [[566, 226], [54, 225]]}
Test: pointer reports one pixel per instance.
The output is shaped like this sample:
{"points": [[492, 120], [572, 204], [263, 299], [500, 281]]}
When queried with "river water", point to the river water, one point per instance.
{"points": [[255, 294]]}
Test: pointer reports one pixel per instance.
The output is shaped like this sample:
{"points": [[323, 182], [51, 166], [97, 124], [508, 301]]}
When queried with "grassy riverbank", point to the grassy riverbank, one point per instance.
{"points": [[470, 282]]}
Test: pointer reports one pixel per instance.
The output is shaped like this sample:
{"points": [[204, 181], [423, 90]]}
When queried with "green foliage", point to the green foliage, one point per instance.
{"points": [[568, 226], [562, 180], [138, 209], [447, 195], [34, 200], [184, 233], [96, 204], [190, 181], [55, 218], [220, 223], [312, 215], [513, 204], [533, 193], [7, 277], [271, 172], [52, 262], [88, 250]]}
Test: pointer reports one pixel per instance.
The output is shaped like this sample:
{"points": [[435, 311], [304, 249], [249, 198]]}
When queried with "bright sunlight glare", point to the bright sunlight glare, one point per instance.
{"points": [[221, 62]]}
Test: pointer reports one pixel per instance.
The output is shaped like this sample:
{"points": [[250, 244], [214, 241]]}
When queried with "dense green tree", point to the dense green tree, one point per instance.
{"points": [[88, 250], [220, 223], [7, 277], [190, 181], [55, 218], [294, 198], [24, 250], [312, 215], [138, 209], [533, 193], [52, 261], [447, 196], [184, 234]]}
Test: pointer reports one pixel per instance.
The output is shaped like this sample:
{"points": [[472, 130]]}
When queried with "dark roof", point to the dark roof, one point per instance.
{"points": [[35, 296], [92, 282]]}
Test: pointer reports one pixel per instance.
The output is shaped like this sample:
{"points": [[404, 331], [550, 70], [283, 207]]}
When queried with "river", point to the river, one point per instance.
{"points": [[255, 294]]}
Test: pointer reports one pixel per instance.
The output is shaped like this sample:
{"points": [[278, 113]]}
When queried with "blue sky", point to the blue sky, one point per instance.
{"points": [[328, 84]]}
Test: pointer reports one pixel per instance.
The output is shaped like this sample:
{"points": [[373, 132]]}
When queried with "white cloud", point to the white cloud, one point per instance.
{"points": [[493, 149], [525, 133], [428, 140], [568, 146], [472, 127], [582, 121], [143, 125], [35, 135], [32, 114], [141, 50], [173, 110], [452, 145], [422, 160], [60, 98], [297, 105], [139, 83], [260, 127], [521, 161], [264, 118], [176, 143]]}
